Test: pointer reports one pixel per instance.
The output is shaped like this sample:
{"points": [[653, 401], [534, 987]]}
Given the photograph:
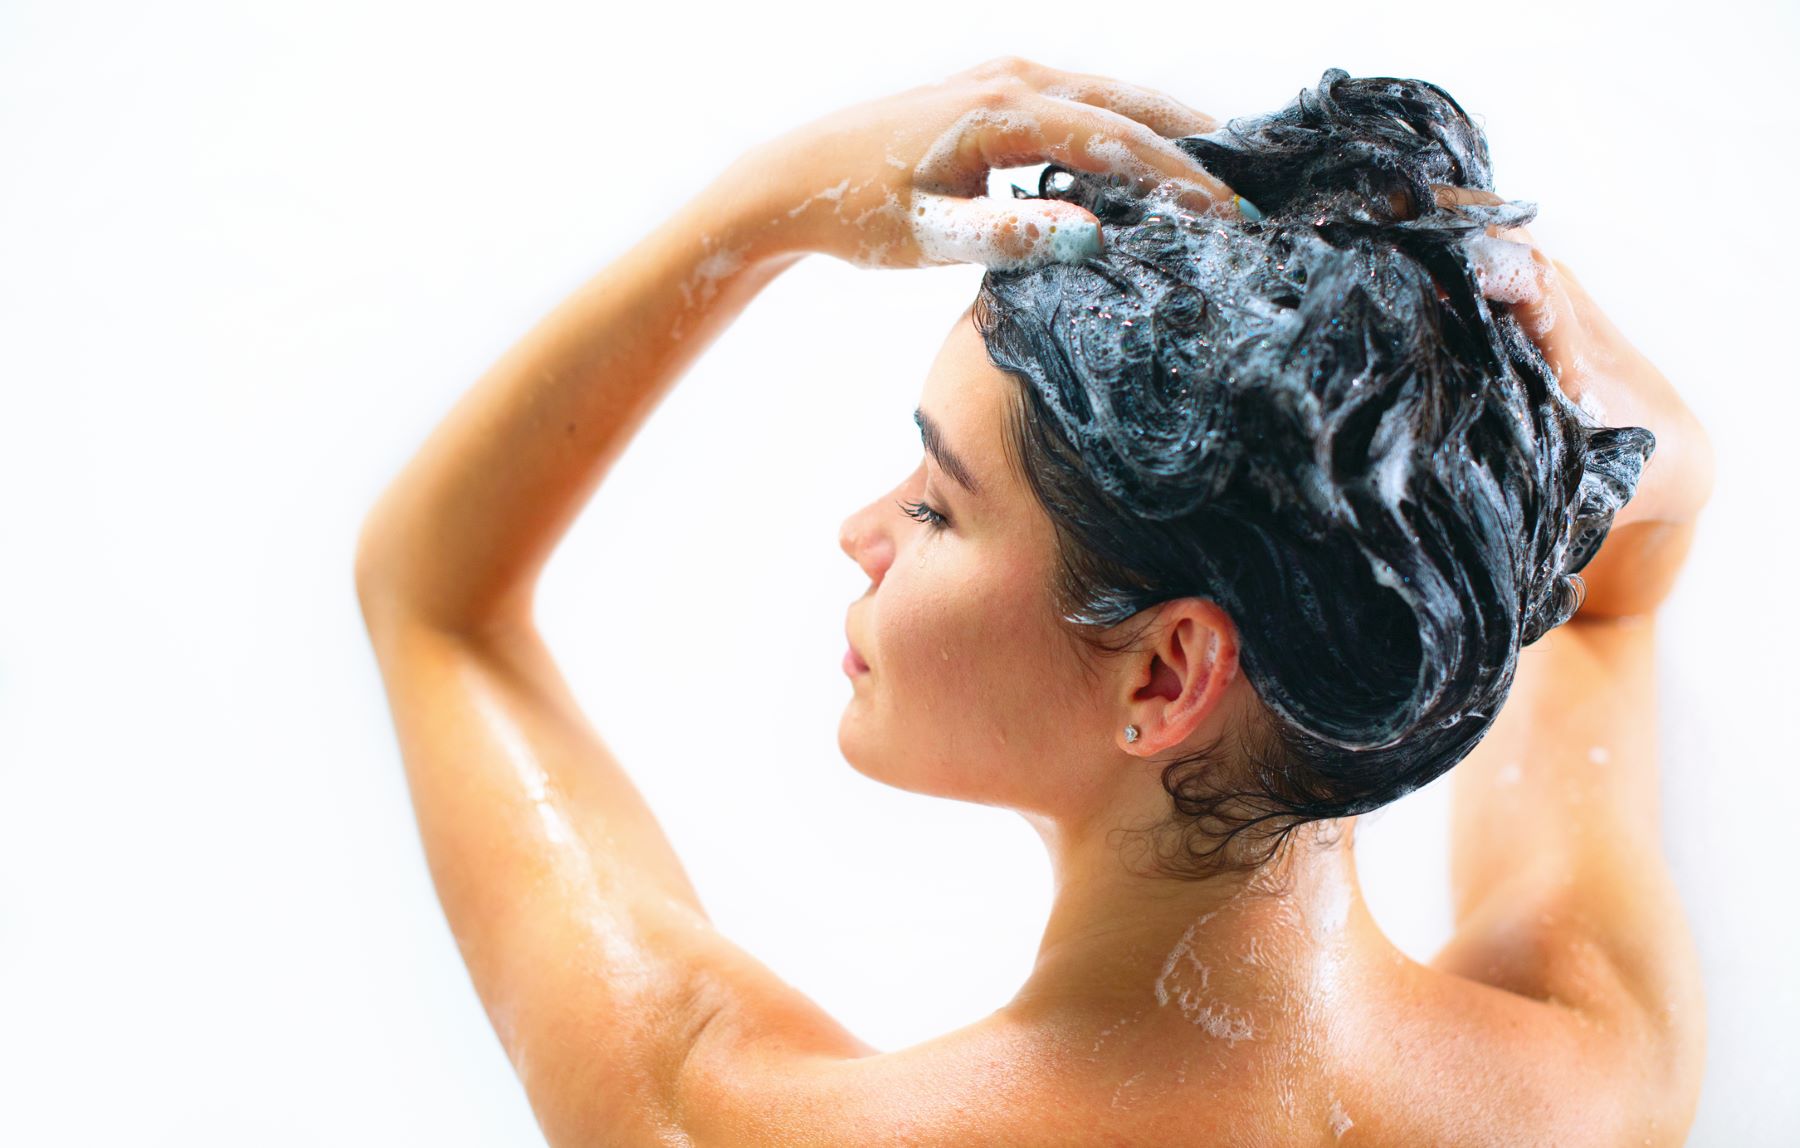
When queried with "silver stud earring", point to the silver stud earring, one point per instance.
{"points": [[1131, 733]]}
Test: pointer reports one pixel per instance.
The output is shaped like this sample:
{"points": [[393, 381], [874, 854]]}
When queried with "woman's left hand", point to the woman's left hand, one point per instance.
{"points": [[901, 181]]}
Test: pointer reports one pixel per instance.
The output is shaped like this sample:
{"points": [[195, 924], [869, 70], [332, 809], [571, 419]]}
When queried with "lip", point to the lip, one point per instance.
{"points": [[853, 662]]}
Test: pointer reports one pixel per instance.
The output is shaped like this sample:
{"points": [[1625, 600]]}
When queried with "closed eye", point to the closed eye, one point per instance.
{"points": [[921, 512]]}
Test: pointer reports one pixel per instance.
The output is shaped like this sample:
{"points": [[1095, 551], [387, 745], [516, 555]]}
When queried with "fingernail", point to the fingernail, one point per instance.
{"points": [[1247, 209]]}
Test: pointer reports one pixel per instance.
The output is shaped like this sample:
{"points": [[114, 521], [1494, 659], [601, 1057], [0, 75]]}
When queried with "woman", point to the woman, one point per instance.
{"points": [[1248, 497]]}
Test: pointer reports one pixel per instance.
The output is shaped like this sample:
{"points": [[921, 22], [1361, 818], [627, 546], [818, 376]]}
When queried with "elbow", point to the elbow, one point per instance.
{"points": [[368, 540], [1689, 470], [373, 572], [1635, 569], [1678, 480], [367, 566], [400, 587], [1705, 467]]}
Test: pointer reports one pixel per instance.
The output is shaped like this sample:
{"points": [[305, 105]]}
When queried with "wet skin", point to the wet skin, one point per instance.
{"points": [[1266, 1009]]}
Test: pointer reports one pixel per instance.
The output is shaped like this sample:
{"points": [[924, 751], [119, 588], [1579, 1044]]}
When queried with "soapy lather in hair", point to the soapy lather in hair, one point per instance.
{"points": [[1324, 416]]}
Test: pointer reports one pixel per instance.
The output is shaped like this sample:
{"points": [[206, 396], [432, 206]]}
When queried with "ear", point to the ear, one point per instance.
{"points": [[1176, 683]]}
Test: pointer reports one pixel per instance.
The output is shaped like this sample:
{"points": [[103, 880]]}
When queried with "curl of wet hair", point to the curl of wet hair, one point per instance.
{"points": [[1316, 420]]}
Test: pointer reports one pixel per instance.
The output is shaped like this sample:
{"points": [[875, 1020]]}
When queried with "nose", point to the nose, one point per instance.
{"points": [[865, 537]]}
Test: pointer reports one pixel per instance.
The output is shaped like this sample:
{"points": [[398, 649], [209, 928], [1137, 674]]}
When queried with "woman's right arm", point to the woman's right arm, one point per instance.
{"points": [[1561, 890]]}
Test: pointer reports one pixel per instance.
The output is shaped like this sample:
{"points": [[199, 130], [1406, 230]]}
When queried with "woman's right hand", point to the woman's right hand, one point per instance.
{"points": [[1600, 371], [901, 181], [1603, 373]]}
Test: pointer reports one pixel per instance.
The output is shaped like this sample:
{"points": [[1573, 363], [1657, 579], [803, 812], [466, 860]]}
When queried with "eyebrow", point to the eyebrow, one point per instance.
{"points": [[946, 458]]}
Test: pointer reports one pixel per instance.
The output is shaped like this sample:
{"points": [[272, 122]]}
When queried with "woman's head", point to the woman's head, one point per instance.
{"points": [[1309, 436], [977, 688]]}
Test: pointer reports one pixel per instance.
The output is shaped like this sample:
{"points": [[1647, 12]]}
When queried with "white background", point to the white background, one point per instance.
{"points": [[250, 253]]}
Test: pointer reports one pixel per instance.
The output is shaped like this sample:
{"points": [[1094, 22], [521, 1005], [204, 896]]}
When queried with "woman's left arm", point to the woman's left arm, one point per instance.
{"points": [[582, 933], [584, 937]]}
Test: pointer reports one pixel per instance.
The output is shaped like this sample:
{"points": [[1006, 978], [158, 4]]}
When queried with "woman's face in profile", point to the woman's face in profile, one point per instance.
{"points": [[972, 690]]}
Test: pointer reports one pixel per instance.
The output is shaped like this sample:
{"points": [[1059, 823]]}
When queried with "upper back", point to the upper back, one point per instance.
{"points": [[1389, 1052]]}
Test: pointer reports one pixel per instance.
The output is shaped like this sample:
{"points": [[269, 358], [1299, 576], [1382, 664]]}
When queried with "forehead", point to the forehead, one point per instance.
{"points": [[968, 397]]}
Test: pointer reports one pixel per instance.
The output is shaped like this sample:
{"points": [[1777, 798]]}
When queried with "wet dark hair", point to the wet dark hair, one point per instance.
{"points": [[1316, 420]]}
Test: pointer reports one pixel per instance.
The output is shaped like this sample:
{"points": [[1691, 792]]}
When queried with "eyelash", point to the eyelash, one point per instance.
{"points": [[920, 512]]}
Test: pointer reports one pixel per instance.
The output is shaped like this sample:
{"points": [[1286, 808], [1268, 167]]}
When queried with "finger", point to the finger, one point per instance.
{"points": [[1004, 234], [1162, 115], [1520, 274], [1084, 137], [1556, 327], [1511, 268], [1449, 195], [1165, 116], [1516, 234]]}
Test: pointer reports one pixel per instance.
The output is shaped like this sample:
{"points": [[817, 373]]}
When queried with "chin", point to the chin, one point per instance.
{"points": [[899, 767], [890, 765], [873, 764]]}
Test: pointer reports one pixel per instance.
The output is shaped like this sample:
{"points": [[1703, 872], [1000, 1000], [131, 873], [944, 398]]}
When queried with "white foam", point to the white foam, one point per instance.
{"points": [[702, 284], [1386, 575], [870, 253], [1340, 1119], [1591, 403], [1219, 1019], [1166, 190], [715, 267], [1120, 1091], [1505, 270], [1332, 907], [952, 221], [1394, 437], [945, 166], [1120, 158], [1002, 234], [1147, 107], [830, 193], [1110, 1029]]}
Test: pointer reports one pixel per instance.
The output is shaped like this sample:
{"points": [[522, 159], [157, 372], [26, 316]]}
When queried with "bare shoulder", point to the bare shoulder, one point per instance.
{"points": [[1422, 1056], [1461, 1061], [993, 1083]]}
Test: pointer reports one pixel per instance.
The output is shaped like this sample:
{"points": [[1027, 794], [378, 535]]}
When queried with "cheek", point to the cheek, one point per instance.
{"points": [[957, 632]]}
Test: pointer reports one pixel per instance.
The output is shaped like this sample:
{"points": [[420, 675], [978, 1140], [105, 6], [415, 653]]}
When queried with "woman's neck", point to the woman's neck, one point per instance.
{"points": [[1115, 936]]}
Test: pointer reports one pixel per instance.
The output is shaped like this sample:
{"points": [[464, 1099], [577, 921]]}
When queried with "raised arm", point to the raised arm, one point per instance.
{"points": [[582, 933], [1562, 893]]}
